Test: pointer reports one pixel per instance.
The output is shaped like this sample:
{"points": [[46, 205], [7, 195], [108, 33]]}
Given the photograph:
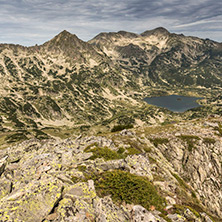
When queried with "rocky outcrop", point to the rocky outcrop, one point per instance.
{"points": [[53, 180]]}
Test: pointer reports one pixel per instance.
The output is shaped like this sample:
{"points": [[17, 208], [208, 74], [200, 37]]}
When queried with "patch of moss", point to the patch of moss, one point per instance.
{"points": [[90, 146], [180, 181], [17, 137], [40, 134], [75, 179], [147, 149], [219, 129], [128, 188]]}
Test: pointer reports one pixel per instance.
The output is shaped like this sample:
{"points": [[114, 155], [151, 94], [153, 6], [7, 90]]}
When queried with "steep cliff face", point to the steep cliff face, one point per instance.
{"points": [[162, 173]]}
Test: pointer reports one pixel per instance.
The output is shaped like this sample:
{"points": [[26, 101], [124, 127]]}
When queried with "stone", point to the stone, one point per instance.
{"points": [[3, 165], [5, 187], [170, 200], [140, 214], [205, 217], [176, 218], [139, 165], [33, 202]]}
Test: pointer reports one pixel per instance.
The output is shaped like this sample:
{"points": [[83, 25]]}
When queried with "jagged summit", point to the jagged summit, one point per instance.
{"points": [[71, 46], [156, 31]]}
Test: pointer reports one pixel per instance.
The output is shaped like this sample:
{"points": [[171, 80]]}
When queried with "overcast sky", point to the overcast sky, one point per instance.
{"points": [[30, 22]]}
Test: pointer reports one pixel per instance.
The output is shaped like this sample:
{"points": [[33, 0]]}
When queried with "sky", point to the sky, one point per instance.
{"points": [[30, 22]]}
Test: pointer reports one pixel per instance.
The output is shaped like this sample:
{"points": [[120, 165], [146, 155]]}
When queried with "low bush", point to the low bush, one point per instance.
{"points": [[128, 188], [121, 127]]}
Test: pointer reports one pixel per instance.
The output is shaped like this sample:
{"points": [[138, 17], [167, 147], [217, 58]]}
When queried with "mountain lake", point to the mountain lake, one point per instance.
{"points": [[174, 103]]}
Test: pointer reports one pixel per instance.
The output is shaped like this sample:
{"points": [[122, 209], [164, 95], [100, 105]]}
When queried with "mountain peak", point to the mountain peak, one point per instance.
{"points": [[64, 40], [65, 35], [156, 31]]}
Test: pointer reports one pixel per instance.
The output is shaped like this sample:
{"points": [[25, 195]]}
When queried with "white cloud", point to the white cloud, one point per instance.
{"points": [[34, 21]]}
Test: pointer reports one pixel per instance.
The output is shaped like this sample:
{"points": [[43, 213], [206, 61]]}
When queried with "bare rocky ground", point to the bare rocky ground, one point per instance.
{"points": [[59, 180]]}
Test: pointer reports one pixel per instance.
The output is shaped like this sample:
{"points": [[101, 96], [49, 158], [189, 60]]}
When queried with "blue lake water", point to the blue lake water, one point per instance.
{"points": [[174, 103]]}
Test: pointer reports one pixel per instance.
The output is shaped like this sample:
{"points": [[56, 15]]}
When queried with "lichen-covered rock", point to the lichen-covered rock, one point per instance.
{"points": [[31, 203], [5, 187], [140, 214], [176, 218], [139, 165], [107, 211]]}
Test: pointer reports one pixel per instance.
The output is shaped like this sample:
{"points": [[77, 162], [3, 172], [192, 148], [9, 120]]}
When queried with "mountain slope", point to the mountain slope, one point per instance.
{"points": [[68, 85], [162, 58]]}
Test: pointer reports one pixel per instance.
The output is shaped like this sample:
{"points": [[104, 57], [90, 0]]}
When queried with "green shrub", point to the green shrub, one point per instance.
{"points": [[121, 127], [121, 150], [123, 186], [105, 153]]}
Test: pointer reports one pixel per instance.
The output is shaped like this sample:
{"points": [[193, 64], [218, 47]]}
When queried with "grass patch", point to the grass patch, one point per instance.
{"points": [[190, 140], [128, 188], [158, 141], [81, 168], [180, 181], [179, 209]]}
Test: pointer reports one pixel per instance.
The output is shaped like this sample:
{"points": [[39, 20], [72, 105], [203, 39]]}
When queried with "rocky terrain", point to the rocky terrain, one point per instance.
{"points": [[156, 173]]}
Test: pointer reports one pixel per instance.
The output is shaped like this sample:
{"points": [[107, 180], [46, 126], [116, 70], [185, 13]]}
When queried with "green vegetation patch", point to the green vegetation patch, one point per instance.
{"points": [[121, 127], [180, 181], [179, 209], [108, 154], [209, 140], [128, 188], [105, 153], [190, 140], [16, 137], [158, 141]]}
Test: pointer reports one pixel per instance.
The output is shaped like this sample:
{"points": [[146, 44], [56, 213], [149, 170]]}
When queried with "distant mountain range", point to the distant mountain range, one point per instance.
{"points": [[69, 83]]}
